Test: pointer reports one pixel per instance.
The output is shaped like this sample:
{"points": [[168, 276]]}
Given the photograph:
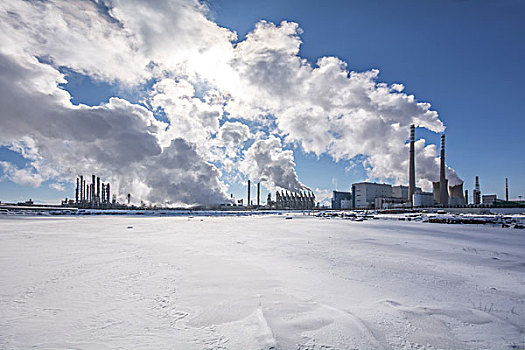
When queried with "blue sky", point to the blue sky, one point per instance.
{"points": [[464, 57]]}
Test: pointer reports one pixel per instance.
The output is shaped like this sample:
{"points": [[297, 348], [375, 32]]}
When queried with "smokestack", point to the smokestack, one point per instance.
{"points": [[507, 189], [443, 193], [466, 197], [129, 198], [258, 193], [249, 184], [98, 189], [411, 167], [76, 193], [107, 194], [93, 189], [477, 192], [81, 188]]}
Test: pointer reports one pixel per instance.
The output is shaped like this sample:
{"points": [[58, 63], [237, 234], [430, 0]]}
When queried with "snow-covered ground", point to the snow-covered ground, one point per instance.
{"points": [[258, 282]]}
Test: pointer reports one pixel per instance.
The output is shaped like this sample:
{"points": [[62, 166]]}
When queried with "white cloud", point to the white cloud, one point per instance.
{"points": [[267, 162], [189, 117], [326, 108], [200, 78], [25, 176], [57, 186], [118, 141]]}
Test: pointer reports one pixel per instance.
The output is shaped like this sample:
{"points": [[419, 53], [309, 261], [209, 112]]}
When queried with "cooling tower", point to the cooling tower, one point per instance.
{"points": [[456, 195]]}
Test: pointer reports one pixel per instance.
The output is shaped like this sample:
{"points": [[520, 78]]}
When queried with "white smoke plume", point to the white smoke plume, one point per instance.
{"points": [[216, 97], [267, 162]]}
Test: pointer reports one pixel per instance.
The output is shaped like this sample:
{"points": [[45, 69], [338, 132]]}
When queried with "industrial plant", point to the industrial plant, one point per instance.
{"points": [[371, 195], [94, 195], [294, 200], [299, 200], [363, 195]]}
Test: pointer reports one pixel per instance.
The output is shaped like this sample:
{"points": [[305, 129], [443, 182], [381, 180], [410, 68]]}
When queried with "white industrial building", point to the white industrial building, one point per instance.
{"points": [[389, 202], [364, 194], [423, 199], [400, 192]]}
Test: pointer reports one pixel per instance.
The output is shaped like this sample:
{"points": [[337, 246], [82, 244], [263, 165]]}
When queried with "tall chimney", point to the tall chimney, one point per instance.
{"points": [[76, 193], [443, 186], [129, 198], [98, 190], [411, 167], [507, 189], [81, 188], [249, 185], [93, 181], [477, 192], [258, 193], [107, 194], [466, 197]]}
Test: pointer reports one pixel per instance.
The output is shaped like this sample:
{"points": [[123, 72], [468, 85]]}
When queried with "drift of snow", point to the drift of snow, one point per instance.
{"points": [[258, 282]]}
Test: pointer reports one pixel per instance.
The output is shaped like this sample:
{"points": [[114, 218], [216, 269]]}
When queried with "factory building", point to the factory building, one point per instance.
{"points": [[423, 199], [364, 194], [294, 200], [389, 202], [489, 199], [341, 200], [401, 192]]}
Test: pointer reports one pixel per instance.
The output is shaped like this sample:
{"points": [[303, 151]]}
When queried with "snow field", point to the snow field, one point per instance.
{"points": [[258, 282]]}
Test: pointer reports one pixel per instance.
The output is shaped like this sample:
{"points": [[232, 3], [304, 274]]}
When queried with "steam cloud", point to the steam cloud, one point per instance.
{"points": [[227, 107]]}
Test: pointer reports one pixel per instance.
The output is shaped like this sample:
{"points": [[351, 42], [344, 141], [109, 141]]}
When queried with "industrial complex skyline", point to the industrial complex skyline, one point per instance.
{"points": [[190, 104]]}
